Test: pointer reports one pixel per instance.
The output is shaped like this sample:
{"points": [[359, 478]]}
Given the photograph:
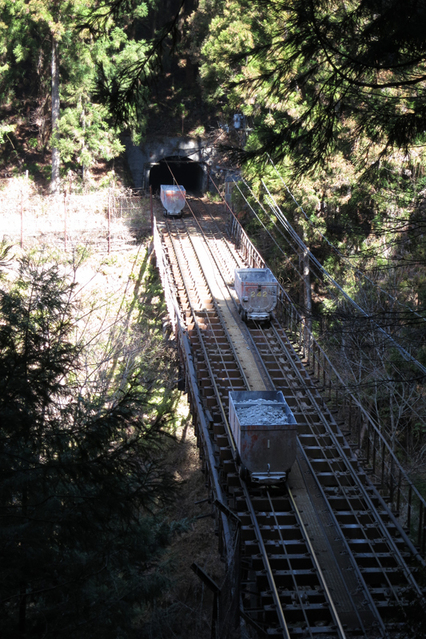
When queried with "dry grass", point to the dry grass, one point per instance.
{"points": [[29, 217]]}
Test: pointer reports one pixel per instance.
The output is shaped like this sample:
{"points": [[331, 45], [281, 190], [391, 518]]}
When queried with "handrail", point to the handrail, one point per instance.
{"points": [[191, 379]]}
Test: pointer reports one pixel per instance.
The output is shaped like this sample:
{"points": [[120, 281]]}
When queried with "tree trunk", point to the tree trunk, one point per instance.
{"points": [[307, 288], [55, 115]]}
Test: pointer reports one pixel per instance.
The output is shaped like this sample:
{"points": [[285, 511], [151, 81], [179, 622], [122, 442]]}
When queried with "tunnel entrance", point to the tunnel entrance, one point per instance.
{"points": [[180, 170]]}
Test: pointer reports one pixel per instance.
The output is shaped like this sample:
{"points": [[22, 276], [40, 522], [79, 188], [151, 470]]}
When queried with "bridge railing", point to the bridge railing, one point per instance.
{"points": [[226, 606], [373, 450]]}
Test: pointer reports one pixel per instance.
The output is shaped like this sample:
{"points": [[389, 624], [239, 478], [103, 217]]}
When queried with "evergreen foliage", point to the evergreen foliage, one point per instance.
{"points": [[82, 471], [86, 132], [327, 72]]}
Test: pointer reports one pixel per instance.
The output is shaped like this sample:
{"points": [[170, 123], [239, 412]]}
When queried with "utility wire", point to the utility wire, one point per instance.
{"points": [[357, 271], [405, 354]]}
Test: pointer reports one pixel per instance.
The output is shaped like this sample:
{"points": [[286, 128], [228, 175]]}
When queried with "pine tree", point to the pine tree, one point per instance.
{"points": [[81, 470]]}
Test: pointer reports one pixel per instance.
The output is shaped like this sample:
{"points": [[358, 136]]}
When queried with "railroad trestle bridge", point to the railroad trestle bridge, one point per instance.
{"points": [[337, 553]]}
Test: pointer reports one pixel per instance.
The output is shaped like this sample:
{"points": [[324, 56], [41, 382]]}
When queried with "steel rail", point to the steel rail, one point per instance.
{"points": [[319, 412], [267, 565], [270, 575], [377, 521], [332, 434], [329, 598], [218, 311], [209, 366], [279, 610], [228, 288], [207, 359], [298, 368], [200, 410], [408, 574]]}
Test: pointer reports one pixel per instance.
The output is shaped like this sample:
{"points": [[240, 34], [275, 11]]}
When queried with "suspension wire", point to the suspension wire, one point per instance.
{"points": [[405, 354], [277, 213], [286, 224], [264, 227], [288, 260], [290, 230], [345, 259], [173, 176]]}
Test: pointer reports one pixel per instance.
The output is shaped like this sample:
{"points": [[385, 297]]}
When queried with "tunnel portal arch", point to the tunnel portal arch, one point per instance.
{"points": [[181, 170]]}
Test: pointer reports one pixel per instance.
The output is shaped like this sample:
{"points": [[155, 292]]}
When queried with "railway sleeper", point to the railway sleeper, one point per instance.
{"points": [[360, 516], [375, 560], [369, 531], [289, 582], [319, 616], [320, 453], [233, 479], [329, 479], [349, 499], [271, 533], [376, 575], [386, 596], [261, 503], [283, 562], [383, 557], [291, 605], [225, 453], [315, 440], [327, 632], [334, 464], [282, 518], [292, 546], [363, 545]]}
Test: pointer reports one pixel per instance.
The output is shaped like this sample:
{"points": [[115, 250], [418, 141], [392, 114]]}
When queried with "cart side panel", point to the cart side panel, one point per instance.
{"points": [[257, 291], [268, 446], [172, 198]]}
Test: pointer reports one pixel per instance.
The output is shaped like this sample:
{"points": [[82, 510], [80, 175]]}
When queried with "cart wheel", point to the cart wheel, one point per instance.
{"points": [[244, 474]]}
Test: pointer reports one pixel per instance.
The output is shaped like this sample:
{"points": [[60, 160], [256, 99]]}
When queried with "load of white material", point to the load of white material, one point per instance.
{"points": [[261, 412]]}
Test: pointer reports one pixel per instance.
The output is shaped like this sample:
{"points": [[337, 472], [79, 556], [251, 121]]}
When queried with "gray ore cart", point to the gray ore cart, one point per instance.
{"points": [[265, 435], [257, 291], [173, 199]]}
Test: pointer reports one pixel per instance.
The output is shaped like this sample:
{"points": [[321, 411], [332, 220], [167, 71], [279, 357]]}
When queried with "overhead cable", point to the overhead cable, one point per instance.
{"points": [[357, 271]]}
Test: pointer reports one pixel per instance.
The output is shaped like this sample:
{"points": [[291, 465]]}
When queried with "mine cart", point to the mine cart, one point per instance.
{"points": [[257, 291], [173, 199], [265, 435]]}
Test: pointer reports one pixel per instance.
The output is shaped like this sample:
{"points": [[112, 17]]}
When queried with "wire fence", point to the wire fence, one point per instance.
{"points": [[110, 218]]}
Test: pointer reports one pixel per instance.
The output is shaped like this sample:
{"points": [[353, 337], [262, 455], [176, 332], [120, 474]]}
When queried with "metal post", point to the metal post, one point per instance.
{"points": [[398, 496], [383, 464], [109, 221], [409, 509], [152, 208], [65, 219], [374, 452], [22, 218]]}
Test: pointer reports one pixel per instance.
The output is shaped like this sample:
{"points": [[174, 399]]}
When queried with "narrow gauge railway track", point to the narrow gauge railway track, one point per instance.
{"points": [[325, 558]]}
